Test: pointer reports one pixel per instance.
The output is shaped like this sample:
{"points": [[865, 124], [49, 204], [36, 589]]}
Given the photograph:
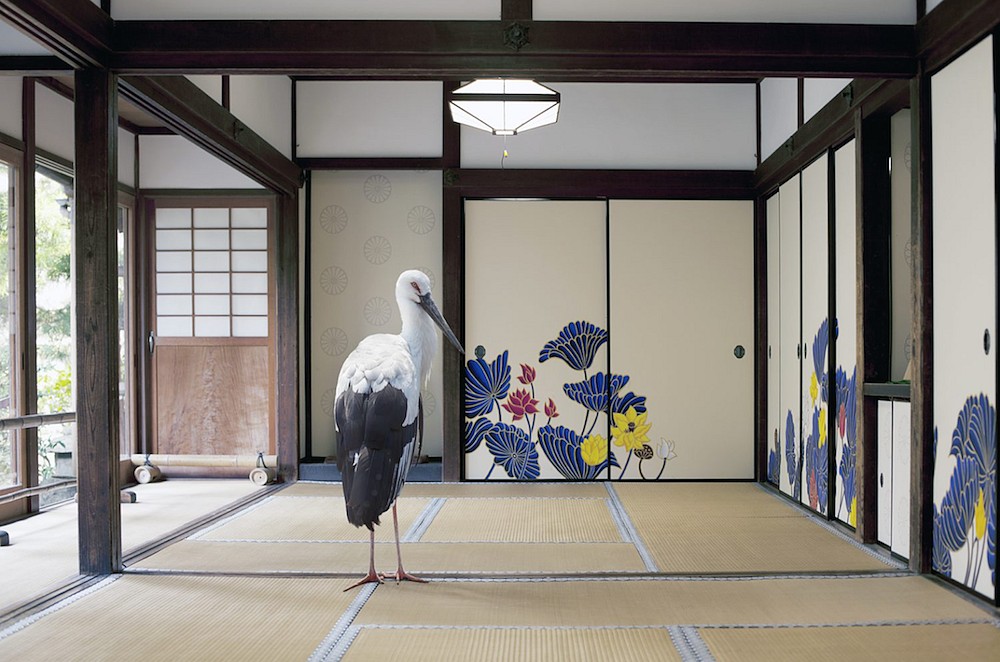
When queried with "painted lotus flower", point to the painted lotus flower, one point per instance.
{"points": [[665, 449], [475, 432], [527, 374], [577, 345], [791, 466], [819, 346], [817, 463], [975, 437], [521, 404], [594, 392], [572, 456], [485, 383], [513, 450], [958, 505], [630, 429], [550, 409], [940, 556], [621, 403], [774, 462]]}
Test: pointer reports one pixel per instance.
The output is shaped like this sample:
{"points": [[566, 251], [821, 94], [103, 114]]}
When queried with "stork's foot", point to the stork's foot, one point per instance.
{"points": [[371, 578], [403, 576]]}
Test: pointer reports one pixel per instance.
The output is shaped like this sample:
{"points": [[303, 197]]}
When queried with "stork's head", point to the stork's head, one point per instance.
{"points": [[414, 287]]}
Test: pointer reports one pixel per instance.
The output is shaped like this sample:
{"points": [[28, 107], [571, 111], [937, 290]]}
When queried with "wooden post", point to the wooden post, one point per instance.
{"points": [[287, 340], [761, 304], [921, 387], [453, 294], [25, 272], [96, 270]]}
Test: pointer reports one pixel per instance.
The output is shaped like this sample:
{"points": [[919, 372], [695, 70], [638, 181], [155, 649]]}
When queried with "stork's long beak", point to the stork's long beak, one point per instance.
{"points": [[427, 303]]}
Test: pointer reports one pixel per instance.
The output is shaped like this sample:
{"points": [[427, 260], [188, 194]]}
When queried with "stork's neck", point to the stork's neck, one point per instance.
{"points": [[420, 334]]}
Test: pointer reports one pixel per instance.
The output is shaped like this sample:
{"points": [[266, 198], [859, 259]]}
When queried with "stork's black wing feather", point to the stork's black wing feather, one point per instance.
{"points": [[374, 449]]}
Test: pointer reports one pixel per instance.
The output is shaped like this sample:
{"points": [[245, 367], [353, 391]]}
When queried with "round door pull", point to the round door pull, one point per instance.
{"points": [[986, 341], [739, 352]]}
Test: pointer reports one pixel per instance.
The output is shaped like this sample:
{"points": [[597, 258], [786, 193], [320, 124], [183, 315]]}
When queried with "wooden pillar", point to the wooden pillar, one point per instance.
{"points": [[287, 336], [96, 272], [453, 298], [921, 386], [27, 334], [872, 135], [760, 316]]}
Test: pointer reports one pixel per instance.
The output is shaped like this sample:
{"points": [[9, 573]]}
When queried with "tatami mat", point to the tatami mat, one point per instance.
{"points": [[524, 520], [676, 501], [637, 602], [519, 644], [474, 490], [285, 517], [187, 618], [352, 558], [912, 643]]}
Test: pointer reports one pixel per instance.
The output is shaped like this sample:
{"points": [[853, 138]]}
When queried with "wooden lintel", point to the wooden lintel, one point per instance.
{"points": [[32, 65], [952, 27], [186, 109]]}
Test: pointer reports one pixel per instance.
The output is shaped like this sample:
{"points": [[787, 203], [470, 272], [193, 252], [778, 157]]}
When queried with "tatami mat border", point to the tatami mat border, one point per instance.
{"points": [[28, 620], [424, 520], [625, 524], [689, 643], [332, 648]]}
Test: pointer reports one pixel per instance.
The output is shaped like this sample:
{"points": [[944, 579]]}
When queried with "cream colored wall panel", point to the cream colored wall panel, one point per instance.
{"points": [[816, 333], [901, 180], [209, 84], [682, 293], [531, 269], [627, 125], [367, 228], [817, 92], [760, 11], [306, 9], [15, 42], [10, 105], [126, 157], [264, 103], [368, 118], [54, 119], [965, 292], [845, 249], [774, 419], [778, 113], [790, 217], [901, 478], [173, 162], [885, 472]]}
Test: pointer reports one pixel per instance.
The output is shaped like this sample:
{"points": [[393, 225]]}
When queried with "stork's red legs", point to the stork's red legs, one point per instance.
{"points": [[372, 576], [401, 575]]}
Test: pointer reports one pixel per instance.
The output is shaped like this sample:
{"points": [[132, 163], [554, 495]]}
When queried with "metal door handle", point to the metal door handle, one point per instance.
{"points": [[152, 342]]}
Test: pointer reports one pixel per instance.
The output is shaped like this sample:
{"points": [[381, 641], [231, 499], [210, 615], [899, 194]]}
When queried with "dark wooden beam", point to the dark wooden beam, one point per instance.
{"points": [[27, 322], [556, 50], [761, 339], [874, 218], [453, 308], [76, 31], [921, 387], [674, 184], [287, 336], [31, 65], [95, 247], [183, 107], [952, 27]]}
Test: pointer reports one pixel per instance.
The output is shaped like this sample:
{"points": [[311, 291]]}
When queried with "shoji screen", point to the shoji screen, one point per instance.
{"points": [[816, 336], [682, 295], [536, 333], [965, 313], [775, 426], [789, 221], [846, 330]]}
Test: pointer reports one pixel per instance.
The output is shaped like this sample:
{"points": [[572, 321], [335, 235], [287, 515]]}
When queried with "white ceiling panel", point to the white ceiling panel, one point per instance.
{"points": [[757, 11], [14, 42], [307, 9]]}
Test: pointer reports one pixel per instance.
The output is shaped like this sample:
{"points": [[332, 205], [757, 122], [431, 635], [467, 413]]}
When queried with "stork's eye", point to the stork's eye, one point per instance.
{"points": [[416, 288]]}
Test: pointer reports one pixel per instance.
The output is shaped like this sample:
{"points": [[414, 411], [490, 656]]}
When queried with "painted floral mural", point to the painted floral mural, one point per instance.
{"points": [[574, 446], [847, 433], [814, 414], [965, 517]]}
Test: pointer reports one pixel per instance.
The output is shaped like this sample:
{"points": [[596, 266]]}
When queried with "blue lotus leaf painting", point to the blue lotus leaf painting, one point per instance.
{"points": [[562, 447], [513, 450], [577, 345], [475, 432], [485, 384]]}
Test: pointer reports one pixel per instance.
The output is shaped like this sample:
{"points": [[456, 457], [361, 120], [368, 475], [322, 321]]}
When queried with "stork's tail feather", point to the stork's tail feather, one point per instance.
{"points": [[369, 496]]}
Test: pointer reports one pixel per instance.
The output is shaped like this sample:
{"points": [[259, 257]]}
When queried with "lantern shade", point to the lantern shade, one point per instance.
{"points": [[504, 106]]}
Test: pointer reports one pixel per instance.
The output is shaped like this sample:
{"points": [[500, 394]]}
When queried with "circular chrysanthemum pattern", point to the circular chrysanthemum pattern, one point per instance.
{"points": [[377, 311], [333, 341], [333, 219], [378, 188], [333, 280], [421, 219], [377, 249], [327, 401]]}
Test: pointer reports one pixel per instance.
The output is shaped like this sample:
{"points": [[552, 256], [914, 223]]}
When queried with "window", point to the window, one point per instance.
{"points": [[9, 459]]}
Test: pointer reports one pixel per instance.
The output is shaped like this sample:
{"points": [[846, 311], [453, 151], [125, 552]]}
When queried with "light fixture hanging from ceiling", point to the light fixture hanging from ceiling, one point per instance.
{"points": [[504, 106]]}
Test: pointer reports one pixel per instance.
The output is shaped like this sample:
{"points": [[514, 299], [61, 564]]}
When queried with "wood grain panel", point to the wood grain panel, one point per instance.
{"points": [[212, 399]]}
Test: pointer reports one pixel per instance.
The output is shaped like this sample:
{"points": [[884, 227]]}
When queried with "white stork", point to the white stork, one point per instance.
{"points": [[378, 414]]}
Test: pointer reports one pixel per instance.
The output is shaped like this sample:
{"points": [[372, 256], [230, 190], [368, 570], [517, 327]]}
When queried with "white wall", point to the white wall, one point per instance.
{"points": [[264, 103], [54, 123], [305, 9], [210, 85], [368, 118], [627, 125], [781, 11], [10, 106], [173, 162], [778, 113], [126, 157], [817, 93]]}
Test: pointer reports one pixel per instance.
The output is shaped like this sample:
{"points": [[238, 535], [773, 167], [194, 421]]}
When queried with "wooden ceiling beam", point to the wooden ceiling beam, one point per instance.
{"points": [[554, 50], [30, 65], [183, 107], [952, 27], [76, 31]]}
